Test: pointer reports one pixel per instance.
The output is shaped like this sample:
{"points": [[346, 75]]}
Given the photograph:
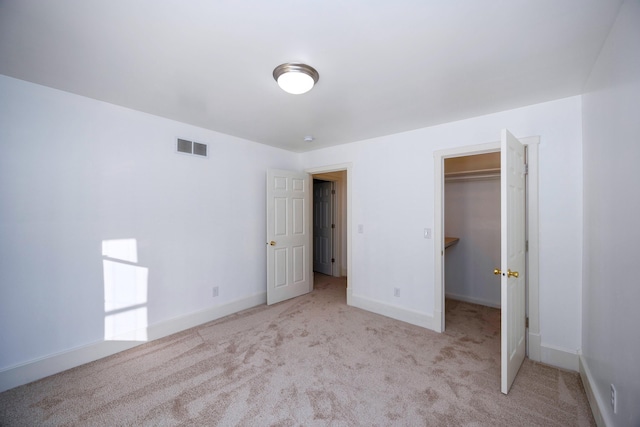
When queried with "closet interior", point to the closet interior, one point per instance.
{"points": [[472, 228]]}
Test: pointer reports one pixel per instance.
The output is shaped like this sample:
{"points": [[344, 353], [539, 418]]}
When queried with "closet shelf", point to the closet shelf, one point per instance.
{"points": [[472, 174], [449, 241]]}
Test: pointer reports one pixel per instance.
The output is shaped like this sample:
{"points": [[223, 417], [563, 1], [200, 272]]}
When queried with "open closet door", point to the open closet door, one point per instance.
{"points": [[513, 252], [288, 235]]}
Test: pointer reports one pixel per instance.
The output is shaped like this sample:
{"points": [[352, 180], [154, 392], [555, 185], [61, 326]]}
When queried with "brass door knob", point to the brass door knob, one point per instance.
{"points": [[272, 243], [510, 273]]}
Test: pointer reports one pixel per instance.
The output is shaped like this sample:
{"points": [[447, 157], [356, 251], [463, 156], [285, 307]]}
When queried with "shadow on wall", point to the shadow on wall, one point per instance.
{"points": [[125, 291]]}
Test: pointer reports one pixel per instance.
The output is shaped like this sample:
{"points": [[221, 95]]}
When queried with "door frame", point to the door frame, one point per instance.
{"points": [[348, 168], [531, 143]]}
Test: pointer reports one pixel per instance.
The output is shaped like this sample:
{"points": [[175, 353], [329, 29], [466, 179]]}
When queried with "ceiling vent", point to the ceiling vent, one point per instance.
{"points": [[191, 147]]}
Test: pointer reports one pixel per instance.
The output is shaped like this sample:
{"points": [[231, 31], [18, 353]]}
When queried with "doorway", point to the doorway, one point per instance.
{"points": [[340, 178], [329, 219], [533, 332]]}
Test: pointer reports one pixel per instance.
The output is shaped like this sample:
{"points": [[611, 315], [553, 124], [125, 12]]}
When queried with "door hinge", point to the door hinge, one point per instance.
{"points": [[526, 168], [333, 191], [333, 260], [526, 322], [526, 246], [333, 226]]}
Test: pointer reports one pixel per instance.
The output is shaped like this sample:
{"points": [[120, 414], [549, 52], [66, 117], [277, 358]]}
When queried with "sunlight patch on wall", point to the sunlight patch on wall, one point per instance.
{"points": [[125, 292], [121, 249]]}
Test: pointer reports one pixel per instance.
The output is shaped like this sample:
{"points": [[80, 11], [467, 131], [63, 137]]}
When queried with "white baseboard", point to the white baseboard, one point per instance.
{"points": [[472, 300], [559, 357], [52, 364], [595, 400], [535, 347], [181, 323], [395, 312]]}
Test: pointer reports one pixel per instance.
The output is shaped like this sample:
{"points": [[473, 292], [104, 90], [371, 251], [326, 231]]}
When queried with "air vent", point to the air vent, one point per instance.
{"points": [[199, 149], [190, 147], [185, 146]]}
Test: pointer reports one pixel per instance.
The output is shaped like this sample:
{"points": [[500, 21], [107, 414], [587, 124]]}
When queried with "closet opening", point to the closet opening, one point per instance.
{"points": [[472, 229], [481, 172]]}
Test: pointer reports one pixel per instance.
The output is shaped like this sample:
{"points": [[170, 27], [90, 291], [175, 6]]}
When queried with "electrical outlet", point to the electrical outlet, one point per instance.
{"points": [[215, 291], [613, 398], [396, 292]]}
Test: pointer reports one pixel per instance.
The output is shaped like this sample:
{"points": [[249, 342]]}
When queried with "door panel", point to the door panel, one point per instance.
{"points": [[298, 215], [280, 216], [288, 235], [298, 264], [513, 257], [280, 260]]}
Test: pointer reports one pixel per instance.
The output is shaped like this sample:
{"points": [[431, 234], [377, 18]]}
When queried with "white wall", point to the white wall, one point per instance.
{"points": [[393, 198], [611, 292], [472, 213], [75, 172]]}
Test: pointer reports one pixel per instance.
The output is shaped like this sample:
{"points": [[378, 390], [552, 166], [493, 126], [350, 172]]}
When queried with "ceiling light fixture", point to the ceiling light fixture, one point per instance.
{"points": [[295, 78]]}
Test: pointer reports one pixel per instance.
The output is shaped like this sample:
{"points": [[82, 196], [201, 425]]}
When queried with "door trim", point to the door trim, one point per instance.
{"points": [[348, 168], [532, 143]]}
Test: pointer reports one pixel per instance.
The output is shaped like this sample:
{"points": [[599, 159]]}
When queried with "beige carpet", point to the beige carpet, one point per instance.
{"points": [[310, 361]]}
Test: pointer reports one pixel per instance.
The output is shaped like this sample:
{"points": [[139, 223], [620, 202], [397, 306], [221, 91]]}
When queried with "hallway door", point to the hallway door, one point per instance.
{"points": [[288, 235], [323, 227]]}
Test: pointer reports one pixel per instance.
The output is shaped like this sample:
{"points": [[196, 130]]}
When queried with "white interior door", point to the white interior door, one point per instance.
{"points": [[323, 227], [513, 171], [288, 235]]}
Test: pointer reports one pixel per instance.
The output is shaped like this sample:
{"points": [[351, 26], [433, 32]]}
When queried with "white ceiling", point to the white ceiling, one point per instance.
{"points": [[385, 66]]}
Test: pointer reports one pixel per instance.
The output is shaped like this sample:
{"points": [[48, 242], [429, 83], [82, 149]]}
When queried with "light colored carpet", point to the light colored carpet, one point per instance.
{"points": [[310, 361]]}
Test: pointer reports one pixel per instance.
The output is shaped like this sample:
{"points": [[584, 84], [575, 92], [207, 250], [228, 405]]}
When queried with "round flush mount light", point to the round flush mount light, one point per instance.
{"points": [[309, 138], [295, 78]]}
